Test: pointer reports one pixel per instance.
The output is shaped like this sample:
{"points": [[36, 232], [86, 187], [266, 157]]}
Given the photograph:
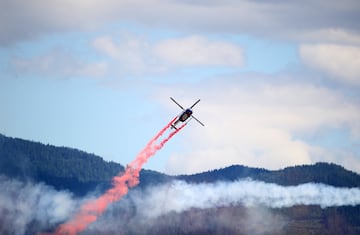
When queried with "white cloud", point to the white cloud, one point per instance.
{"points": [[137, 55], [57, 63], [329, 35], [196, 50], [21, 20], [106, 45], [341, 62], [131, 54], [259, 125]]}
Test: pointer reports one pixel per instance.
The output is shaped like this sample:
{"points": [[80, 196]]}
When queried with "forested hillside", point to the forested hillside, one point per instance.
{"points": [[80, 172], [60, 167]]}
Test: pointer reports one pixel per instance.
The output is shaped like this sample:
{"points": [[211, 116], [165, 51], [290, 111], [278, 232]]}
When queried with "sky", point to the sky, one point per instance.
{"points": [[279, 81]]}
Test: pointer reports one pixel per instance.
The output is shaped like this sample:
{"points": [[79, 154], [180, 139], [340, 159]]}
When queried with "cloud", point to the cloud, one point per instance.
{"points": [[107, 46], [31, 19], [330, 35], [131, 55], [258, 125], [196, 50], [341, 62], [58, 63], [21, 21], [137, 55]]}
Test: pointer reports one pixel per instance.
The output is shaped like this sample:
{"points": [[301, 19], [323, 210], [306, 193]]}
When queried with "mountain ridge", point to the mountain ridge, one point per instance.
{"points": [[81, 172]]}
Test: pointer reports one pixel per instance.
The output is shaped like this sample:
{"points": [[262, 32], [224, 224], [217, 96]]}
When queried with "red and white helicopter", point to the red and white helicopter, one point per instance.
{"points": [[185, 115]]}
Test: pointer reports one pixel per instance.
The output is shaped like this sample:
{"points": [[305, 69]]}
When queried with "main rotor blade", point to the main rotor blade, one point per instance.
{"points": [[177, 103], [195, 103], [197, 120]]}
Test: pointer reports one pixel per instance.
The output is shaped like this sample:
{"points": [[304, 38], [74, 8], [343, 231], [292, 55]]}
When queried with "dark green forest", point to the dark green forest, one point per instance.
{"points": [[80, 172], [61, 167]]}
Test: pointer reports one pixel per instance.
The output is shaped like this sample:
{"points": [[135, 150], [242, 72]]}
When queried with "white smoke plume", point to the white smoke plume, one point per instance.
{"points": [[229, 206], [179, 196], [27, 208]]}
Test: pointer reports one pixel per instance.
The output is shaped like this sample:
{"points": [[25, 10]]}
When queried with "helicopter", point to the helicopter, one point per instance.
{"points": [[185, 115]]}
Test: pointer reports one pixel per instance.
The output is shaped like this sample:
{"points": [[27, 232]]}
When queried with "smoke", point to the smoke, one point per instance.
{"points": [[180, 196], [26, 207], [90, 211], [221, 206]]}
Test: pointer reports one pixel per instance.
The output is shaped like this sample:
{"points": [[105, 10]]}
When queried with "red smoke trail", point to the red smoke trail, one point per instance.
{"points": [[91, 210]]}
